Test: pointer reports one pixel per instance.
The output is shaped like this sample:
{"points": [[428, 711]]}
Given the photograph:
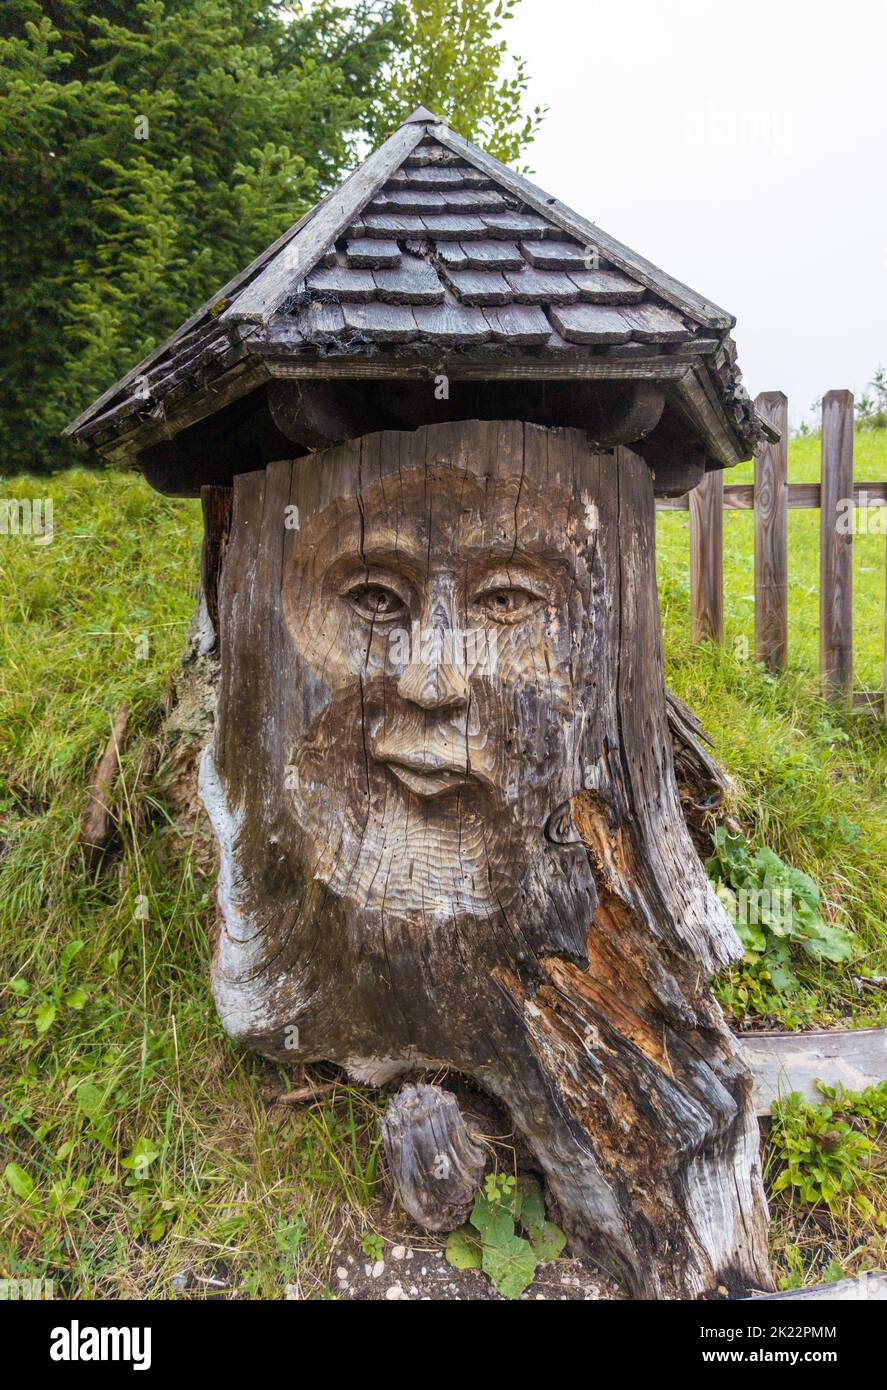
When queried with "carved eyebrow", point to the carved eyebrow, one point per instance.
{"points": [[502, 574]]}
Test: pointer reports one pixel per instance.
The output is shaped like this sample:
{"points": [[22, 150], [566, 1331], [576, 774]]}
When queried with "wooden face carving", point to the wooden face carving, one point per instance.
{"points": [[423, 777], [417, 678]]}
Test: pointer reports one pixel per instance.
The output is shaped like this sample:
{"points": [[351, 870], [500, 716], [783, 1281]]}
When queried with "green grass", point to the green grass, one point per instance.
{"points": [[146, 1143], [810, 784]]}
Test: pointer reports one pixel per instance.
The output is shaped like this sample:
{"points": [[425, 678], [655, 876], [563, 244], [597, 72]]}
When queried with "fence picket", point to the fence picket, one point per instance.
{"points": [[836, 549], [771, 537], [707, 558]]}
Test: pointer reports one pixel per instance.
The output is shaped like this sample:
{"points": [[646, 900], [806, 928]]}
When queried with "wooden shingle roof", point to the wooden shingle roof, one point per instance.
{"points": [[434, 256]]}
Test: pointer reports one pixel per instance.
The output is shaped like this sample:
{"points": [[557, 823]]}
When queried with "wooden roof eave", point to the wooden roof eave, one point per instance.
{"points": [[697, 400], [688, 383]]}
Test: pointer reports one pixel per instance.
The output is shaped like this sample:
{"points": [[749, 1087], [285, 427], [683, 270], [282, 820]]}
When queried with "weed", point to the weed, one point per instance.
{"points": [[491, 1241]]}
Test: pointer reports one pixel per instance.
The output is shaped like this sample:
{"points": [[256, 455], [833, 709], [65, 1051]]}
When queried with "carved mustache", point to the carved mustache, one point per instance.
{"points": [[438, 751]]}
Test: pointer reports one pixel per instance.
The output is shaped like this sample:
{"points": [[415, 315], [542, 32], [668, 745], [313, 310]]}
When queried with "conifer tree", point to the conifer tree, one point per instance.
{"points": [[151, 148]]}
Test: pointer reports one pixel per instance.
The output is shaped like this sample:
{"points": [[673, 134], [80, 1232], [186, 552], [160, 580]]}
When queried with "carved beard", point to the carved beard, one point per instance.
{"points": [[463, 849]]}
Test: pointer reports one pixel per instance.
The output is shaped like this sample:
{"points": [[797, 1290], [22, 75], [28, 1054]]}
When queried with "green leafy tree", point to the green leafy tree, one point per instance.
{"points": [[151, 149], [453, 59]]}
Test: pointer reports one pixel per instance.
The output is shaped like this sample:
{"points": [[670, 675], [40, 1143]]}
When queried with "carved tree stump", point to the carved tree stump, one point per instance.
{"points": [[435, 1165], [443, 790]]}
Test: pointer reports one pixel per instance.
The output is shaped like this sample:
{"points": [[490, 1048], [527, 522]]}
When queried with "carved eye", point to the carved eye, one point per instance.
{"points": [[507, 604], [376, 602]]}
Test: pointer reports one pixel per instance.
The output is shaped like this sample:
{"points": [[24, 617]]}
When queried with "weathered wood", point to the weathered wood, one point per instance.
{"points": [[346, 283], [654, 323], [771, 537], [489, 255], [442, 785], [701, 782], [640, 413], [531, 286], [591, 323], [480, 287], [371, 253], [414, 281], [707, 558], [741, 497], [872, 1285], [302, 251], [836, 549], [605, 286], [434, 1165], [785, 1062], [315, 413], [217, 504], [97, 825]]}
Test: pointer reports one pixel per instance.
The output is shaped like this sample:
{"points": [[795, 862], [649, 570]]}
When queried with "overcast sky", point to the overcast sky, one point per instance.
{"points": [[742, 148]]}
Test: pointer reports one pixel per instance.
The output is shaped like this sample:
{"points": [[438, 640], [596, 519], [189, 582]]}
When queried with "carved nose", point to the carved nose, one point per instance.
{"points": [[434, 685], [431, 681]]}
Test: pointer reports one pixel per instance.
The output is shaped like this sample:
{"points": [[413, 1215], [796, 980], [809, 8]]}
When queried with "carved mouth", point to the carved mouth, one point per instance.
{"points": [[426, 779]]}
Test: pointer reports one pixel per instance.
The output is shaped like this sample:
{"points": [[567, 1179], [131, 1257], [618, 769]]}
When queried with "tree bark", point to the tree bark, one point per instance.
{"points": [[443, 789]]}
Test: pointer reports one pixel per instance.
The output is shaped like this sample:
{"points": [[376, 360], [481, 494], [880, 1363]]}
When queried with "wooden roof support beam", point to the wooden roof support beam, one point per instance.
{"points": [[316, 414]]}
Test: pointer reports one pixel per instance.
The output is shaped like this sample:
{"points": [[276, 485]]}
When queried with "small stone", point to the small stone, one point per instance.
{"points": [[378, 1268], [409, 1254], [341, 1272], [424, 1270], [394, 1292], [398, 1252], [368, 1269], [290, 1294]]}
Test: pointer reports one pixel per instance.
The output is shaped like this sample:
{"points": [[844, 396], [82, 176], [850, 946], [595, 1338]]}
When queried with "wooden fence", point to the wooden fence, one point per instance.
{"points": [[770, 497]]}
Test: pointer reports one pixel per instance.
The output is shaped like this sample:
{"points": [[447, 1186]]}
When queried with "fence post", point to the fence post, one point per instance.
{"points": [[707, 557], [885, 639], [836, 523], [771, 537]]}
